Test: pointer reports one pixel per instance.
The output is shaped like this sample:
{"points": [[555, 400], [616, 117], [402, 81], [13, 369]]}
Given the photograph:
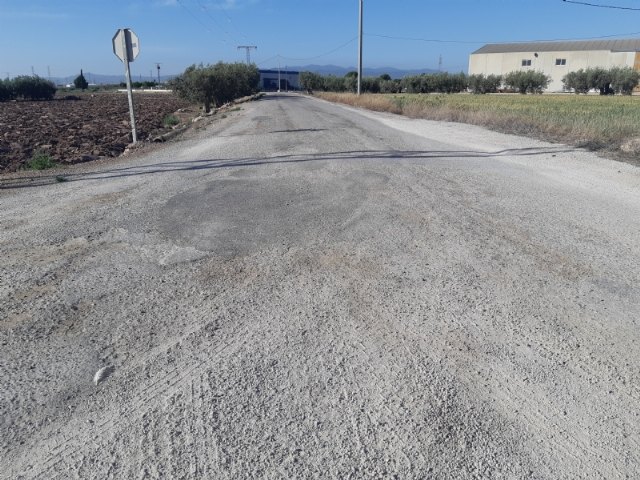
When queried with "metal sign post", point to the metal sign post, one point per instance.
{"points": [[126, 47]]}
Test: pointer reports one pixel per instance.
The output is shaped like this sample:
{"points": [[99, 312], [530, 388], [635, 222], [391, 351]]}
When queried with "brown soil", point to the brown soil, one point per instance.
{"points": [[81, 128]]}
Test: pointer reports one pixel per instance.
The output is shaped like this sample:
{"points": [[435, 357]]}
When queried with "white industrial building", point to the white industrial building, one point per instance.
{"points": [[555, 59]]}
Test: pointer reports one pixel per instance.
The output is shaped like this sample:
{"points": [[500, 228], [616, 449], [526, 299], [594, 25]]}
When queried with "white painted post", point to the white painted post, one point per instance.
{"points": [[126, 41]]}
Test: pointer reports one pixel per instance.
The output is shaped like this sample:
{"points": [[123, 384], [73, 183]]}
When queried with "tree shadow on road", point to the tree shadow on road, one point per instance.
{"points": [[211, 164]]}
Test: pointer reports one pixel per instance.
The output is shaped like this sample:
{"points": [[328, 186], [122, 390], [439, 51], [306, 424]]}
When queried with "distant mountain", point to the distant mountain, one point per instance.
{"points": [[367, 72]]}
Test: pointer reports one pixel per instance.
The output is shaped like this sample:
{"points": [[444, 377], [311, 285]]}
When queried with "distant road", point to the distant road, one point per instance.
{"points": [[304, 290]]}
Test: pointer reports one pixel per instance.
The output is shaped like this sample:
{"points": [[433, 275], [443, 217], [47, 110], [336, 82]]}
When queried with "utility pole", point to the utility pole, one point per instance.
{"points": [[158, 67], [248, 48], [440, 63], [360, 48]]}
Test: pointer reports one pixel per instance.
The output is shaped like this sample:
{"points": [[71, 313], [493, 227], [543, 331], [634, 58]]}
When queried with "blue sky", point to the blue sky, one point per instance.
{"points": [[62, 36]]}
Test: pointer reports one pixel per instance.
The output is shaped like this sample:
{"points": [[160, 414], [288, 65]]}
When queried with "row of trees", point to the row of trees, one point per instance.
{"points": [[215, 85], [615, 80], [26, 88], [607, 82], [442, 82]]}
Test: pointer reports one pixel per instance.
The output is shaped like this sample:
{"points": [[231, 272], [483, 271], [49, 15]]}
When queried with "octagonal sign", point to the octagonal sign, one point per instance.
{"points": [[126, 45]]}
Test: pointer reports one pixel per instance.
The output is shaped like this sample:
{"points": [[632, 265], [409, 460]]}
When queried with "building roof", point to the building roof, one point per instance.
{"points": [[622, 45]]}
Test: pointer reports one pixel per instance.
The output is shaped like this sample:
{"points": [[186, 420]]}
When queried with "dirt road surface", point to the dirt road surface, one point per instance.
{"points": [[304, 290]]}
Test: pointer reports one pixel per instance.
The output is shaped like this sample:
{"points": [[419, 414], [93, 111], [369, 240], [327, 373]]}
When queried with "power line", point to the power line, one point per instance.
{"points": [[233, 24], [415, 39], [615, 7], [322, 54], [218, 24], [193, 15], [477, 42], [267, 60]]}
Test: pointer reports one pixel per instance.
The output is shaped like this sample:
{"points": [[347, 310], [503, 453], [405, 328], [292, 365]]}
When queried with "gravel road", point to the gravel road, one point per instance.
{"points": [[305, 290]]}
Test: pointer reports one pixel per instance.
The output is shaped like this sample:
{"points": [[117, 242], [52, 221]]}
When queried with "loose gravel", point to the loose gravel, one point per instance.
{"points": [[302, 290]]}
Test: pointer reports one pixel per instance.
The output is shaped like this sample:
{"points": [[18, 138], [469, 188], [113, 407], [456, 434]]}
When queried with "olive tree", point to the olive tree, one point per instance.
{"points": [[311, 81], [527, 81], [215, 85], [577, 81], [624, 80], [33, 88], [481, 84]]}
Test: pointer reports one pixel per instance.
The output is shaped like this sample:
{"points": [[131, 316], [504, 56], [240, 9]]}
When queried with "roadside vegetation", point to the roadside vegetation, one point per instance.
{"points": [[170, 120], [215, 85], [607, 122], [594, 122], [442, 82], [605, 81], [40, 161]]}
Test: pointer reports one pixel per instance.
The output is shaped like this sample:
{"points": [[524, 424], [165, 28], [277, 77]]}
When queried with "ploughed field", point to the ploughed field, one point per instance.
{"points": [[79, 128]]}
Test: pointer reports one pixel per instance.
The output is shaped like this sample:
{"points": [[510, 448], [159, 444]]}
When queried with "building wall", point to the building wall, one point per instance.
{"points": [[289, 80], [503, 63]]}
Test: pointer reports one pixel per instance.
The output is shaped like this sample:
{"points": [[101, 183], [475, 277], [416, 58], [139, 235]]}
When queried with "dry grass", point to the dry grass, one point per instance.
{"points": [[378, 103], [611, 124]]}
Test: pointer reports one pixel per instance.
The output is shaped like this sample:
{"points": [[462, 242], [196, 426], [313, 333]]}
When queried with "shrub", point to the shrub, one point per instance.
{"points": [[615, 80], [414, 84], [435, 82], [351, 82], [528, 81], [311, 81], [41, 161], [170, 120], [331, 83], [481, 84], [370, 85], [390, 86], [146, 84], [6, 90], [33, 88]]}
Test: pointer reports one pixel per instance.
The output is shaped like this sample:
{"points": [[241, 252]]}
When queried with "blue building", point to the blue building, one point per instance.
{"points": [[289, 80]]}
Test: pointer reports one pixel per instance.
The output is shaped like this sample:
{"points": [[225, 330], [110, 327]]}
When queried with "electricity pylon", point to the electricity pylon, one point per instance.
{"points": [[248, 48]]}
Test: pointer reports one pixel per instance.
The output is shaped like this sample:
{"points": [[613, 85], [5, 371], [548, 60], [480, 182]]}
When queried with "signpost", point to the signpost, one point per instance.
{"points": [[126, 47]]}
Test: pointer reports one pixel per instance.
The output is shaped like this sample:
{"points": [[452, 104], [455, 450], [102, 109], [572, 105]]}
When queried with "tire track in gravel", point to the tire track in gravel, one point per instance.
{"points": [[144, 401], [146, 397]]}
